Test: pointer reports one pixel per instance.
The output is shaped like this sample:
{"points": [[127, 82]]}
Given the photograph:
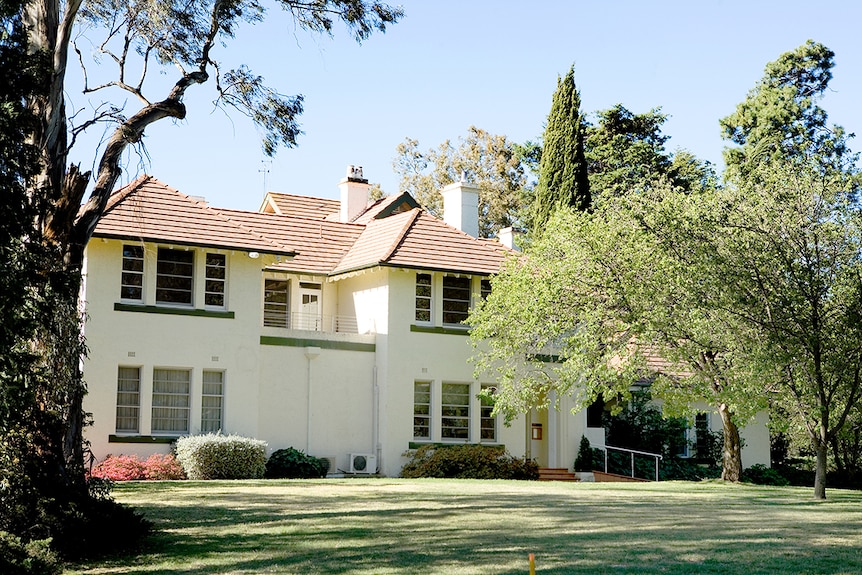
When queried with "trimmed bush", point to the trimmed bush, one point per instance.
{"points": [[33, 558], [163, 466], [761, 475], [291, 463], [216, 456], [467, 462], [588, 458]]}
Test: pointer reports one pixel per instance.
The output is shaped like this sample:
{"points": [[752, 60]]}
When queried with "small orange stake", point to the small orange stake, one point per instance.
{"points": [[532, 564]]}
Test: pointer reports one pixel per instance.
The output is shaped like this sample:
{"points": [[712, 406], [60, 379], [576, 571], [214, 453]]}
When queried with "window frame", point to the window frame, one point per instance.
{"points": [[421, 295], [269, 313], [486, 407], [428, 410], [214, 285], [128, 266], [161, 274], [206, 421], [134, 408], [167, 408], [452, 412], [448, 301]]}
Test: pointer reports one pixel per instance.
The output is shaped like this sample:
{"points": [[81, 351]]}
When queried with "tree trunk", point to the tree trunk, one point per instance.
{"points": [[731, 454], [821, 448]]}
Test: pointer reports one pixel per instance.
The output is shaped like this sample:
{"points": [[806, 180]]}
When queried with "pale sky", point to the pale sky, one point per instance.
{"points": [[494, 64]]}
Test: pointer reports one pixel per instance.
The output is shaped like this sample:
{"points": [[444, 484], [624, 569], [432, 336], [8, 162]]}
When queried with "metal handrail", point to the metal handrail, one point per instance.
{"points": [[633, 452]]}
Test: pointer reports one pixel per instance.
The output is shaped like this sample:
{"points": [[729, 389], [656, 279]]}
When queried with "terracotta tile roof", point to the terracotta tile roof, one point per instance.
{"points": [[147, 209], [384, 234], [319, 244], [301, 206]]}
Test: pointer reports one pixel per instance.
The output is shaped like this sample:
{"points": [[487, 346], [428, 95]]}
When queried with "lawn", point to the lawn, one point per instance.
{"points": [[397, 526]]}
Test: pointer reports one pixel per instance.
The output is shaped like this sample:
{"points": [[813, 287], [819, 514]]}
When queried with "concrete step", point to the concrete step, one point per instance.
{"points": [[556, 474]]}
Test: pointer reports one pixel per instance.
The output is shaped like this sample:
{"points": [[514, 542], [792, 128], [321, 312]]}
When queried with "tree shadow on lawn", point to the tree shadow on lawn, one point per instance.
{"points": [[490, 527]]}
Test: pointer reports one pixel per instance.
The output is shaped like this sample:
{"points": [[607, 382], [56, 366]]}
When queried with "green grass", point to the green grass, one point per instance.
{"points": [[395, 526]]}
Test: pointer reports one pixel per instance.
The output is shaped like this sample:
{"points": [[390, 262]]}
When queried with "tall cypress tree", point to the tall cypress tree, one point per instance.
{"points": [[563, 177]]}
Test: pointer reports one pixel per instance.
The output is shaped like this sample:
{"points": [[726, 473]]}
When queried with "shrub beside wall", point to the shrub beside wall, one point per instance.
{"points": [[216, 456], [291, 463], [130, 468], [467, 462]]}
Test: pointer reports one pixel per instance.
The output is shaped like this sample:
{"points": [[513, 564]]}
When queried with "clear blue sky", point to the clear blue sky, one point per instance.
{"points": [[494, 64]]}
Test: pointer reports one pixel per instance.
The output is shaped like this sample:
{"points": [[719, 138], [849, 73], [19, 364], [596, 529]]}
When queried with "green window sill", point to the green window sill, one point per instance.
{"points": [[442, 330], [141, 439], [139, 308]]}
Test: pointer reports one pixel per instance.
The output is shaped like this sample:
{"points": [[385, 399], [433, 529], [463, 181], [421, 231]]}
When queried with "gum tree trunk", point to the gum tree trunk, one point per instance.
{"points": [[731, 453]]}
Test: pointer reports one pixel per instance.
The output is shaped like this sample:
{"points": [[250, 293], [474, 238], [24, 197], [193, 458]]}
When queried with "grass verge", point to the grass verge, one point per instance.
{"points": [[397, 526]]}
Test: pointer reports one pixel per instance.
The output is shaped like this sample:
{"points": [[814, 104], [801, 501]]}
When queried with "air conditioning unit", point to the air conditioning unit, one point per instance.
{"points": [[363, 463], [333, 468]]}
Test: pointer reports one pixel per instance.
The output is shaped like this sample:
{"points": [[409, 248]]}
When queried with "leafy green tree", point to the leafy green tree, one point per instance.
{"points": [[139, 39], [563, 178], [491, 162]]}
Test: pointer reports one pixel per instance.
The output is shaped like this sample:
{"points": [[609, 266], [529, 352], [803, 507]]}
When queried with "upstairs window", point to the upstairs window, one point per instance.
{"points": [[456, 299], [276, 305], [216, 268], [174, 276], [423, 297], [485, 289], [132, 279]]}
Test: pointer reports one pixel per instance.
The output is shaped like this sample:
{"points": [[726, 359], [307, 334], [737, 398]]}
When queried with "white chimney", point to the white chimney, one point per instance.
{"points": [[461, 207], [354, 193], [507, 237]]}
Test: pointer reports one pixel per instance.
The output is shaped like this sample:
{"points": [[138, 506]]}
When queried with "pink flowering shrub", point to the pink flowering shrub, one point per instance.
{"points": [[130, 467], [163, 466]]}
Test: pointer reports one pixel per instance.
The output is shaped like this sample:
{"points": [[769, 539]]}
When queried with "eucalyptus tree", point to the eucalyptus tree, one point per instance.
{"points": [[137, 45]]}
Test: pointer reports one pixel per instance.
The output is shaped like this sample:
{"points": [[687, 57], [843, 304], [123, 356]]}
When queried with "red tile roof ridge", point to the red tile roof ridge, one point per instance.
{"points": [[291, 217], [411, 219], [122, 192]]}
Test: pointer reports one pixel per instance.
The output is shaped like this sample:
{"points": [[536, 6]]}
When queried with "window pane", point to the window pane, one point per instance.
{"points": [[212, 399], [488, 423], [276, 303], [174, 271], [132, 277], [171, 400], [214, 288], [128, 399], [456, 299], [421, 410], [455, 411], [423, 297]]}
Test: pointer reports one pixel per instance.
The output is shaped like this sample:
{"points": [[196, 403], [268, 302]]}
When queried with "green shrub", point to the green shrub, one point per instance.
{"points": [[291, 463], [33, 558], [216, 456], [467, 462], [762, 475], [589, 458]]}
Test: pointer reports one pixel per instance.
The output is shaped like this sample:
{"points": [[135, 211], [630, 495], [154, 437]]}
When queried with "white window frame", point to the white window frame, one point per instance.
{"points": [[211, 423], [190, 277], [128, 399], [214, 286], [129, 266], [447, 299], [422, 411], [455, 416], [486, 407], [168, 405], [427, 295]]}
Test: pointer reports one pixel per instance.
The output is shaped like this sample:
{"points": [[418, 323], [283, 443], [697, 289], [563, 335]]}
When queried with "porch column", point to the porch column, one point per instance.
{"points": [[553, 415]]}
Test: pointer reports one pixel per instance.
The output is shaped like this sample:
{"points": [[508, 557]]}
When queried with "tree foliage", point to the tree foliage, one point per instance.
{"points": [[47, 227], [491, 162], [563, 179]]}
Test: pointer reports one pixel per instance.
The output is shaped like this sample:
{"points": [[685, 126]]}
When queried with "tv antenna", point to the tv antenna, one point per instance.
{"points": [[265, 165]]}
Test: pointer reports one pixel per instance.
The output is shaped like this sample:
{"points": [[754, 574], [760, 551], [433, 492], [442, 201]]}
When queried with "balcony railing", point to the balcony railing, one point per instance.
{"points": [[311, 322]]}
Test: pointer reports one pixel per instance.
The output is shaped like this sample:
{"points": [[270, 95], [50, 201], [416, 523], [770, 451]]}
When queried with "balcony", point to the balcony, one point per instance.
{"points": [[312, 322]]}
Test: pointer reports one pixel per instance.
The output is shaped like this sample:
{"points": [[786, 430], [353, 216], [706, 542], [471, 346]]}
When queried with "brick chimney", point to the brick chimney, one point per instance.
{"points": [[461, 206], [354, 193]]}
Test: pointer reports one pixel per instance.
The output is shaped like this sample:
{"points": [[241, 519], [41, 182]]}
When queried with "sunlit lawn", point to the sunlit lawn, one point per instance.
{"points": [[395, 526]]}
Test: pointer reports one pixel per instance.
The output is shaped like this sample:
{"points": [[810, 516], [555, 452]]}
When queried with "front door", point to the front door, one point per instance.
{"points": [[309, 310]]}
